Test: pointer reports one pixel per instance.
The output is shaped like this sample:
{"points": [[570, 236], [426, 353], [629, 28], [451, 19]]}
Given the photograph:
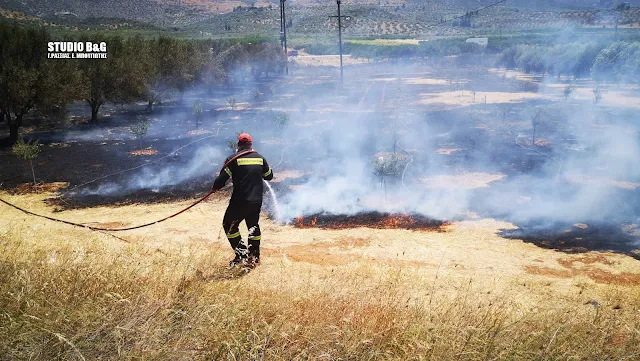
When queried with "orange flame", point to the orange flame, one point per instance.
{"points": [[398, 221], [393, 221]]}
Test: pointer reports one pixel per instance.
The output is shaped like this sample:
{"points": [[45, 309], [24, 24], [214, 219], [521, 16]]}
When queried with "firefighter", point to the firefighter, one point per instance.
{"points": [[247, 173]]}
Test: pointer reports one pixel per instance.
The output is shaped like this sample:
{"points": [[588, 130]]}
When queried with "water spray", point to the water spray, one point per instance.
{"points": [[276, 207]]}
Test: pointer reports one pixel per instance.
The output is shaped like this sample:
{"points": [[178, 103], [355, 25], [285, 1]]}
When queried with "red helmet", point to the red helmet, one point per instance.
{"points": [[244, 138]]}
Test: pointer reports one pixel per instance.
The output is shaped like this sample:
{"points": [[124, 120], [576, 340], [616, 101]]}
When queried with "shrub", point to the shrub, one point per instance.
{"points": [[597, 94], [233, 102], [140, 129], [197, 112], [231, 144], [389, 165], [282, 120], [257, 96], [568, 90], [27, 151]]}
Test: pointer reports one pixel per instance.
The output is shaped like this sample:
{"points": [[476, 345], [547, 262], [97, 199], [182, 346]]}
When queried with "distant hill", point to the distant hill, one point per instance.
{"points": [[146, 9], [130, 9], [183, 12]]}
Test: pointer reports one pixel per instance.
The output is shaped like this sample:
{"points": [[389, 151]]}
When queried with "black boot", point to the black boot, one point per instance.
{"points": [[237, 260], [240, 258], [254, 253], [241, 252]]}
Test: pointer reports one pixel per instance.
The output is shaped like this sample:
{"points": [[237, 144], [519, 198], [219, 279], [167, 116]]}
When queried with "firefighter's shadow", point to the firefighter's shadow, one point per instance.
{"points": [[222, 273]]}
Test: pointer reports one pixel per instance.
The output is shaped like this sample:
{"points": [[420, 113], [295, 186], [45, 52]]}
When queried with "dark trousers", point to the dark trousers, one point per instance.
{"points": [[236, 213]]}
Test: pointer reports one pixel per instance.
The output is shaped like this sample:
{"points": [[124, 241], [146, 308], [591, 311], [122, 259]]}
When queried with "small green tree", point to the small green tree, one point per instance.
{"points": [[257, 96], [232, 102], [282, 120], [569, 90], [389, 166], [140, 129], [536, 119], [231, 144], [197, 112], [27, 151], [597, 94]]}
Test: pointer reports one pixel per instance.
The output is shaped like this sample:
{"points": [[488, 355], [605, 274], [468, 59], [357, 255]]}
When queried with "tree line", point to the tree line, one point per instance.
{"points": [[618, 61], [135, 70], [434, 48]]}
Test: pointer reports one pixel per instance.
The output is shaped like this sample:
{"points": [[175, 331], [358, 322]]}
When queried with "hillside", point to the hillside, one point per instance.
{"points": [[412, 18], [137, 9], [149, 9]]}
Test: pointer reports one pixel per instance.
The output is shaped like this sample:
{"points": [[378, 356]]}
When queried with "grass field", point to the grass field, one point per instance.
{"points": [[164, 294], [467, 293]]}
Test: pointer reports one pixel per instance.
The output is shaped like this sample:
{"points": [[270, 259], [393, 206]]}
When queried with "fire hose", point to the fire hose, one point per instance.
{"points": [[133, 227]]}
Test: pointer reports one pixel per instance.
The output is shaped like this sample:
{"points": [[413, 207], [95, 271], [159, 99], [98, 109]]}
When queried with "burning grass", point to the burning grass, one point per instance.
{"points": [[372, 220]]}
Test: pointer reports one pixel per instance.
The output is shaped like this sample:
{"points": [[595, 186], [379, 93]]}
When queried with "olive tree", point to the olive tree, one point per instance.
{"points": [[28, 80], [27, 151]]}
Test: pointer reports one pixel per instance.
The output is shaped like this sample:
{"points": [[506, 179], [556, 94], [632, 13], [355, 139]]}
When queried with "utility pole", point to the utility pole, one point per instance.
{"points": [[340, 41], [283, 35], [281, 30], [340, 37], [617, 12]]}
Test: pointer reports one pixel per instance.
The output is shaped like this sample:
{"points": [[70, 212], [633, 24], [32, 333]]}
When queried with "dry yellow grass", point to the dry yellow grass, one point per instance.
{"points": [[362, 294], [580, 179], [144, 152], [447, 150], [199, 132], [454, 99], [304, 59], [288, 174]]}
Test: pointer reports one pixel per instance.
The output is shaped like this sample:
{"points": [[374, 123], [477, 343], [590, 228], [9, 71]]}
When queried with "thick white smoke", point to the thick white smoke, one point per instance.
{"points": [[589, 172], [203, 163]]}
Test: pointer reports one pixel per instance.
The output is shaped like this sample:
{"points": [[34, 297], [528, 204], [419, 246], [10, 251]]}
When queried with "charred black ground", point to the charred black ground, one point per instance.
{"points": [[481, 134], [579, 238]]}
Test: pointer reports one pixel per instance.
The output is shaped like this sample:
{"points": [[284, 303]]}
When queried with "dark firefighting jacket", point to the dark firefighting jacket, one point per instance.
{"points": [[247, 173]]}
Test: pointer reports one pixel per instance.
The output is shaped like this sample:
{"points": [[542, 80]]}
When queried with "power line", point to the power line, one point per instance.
{"points": [[469, 13]]}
